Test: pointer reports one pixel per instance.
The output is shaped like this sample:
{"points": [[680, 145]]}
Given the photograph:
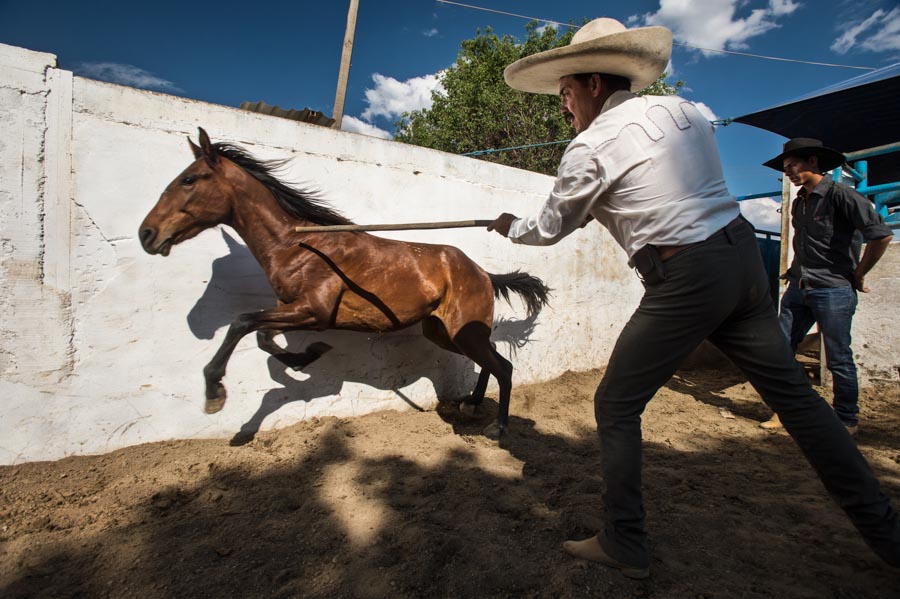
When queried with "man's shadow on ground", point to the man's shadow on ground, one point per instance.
{"points": [[710, 364], [326, 360]]}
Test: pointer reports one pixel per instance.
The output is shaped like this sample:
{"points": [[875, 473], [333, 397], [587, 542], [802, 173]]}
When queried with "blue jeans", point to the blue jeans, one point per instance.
{"points": [[719, 290], [832, 308]]}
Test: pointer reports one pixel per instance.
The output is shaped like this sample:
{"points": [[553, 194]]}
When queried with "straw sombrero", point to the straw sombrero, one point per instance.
{"points": [[829, 158], [601, 46]]}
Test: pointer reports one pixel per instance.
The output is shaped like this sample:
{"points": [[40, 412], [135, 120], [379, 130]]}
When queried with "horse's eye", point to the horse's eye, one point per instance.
{"points": [[189, 180]]}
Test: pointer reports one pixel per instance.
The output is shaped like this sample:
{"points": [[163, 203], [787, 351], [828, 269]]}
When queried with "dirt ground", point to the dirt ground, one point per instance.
{"points": [[418, 504]]}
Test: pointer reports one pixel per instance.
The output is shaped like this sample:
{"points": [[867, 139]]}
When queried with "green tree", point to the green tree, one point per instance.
{"points": [[478, 111]]}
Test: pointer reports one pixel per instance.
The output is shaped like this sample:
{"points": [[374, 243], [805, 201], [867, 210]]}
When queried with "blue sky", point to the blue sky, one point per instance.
{"points": [[288, 53]]}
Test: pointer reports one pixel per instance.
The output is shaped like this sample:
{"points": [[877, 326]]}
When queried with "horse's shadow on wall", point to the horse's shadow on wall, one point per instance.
{"points": [[388, 362]]}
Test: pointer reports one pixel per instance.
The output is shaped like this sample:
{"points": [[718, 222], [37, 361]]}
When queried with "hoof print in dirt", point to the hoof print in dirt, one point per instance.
{"points": [[467, 409], [494, 432]]}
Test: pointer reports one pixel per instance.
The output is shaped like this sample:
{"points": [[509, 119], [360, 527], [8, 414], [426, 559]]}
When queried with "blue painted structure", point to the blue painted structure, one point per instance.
{"points": [[886, 195], [769, 243], [770, 247]]}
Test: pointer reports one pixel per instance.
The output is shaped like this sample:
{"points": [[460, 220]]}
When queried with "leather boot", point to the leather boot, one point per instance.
{"points": [[772, 423]]}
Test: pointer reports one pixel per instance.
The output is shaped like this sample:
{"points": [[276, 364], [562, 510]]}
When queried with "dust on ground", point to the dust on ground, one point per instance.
{"points": [[419, 504]]}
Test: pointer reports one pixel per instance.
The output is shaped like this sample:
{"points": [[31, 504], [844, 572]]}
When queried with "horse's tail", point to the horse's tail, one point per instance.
{"points": [[532, 290]]}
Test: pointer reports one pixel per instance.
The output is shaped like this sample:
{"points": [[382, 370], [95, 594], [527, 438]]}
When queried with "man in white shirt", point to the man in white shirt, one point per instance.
{"points": [[649, 170]]}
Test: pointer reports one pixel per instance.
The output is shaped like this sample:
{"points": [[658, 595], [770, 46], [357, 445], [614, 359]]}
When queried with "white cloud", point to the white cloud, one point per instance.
{"points": [[880, 32], [125, 74], [713, 24], [763, 213], [783, 7], [544, 26], [391, 98], [888, 37], [670, 70], [351, 123], [706, 111], [848, 39], [430, 33]]}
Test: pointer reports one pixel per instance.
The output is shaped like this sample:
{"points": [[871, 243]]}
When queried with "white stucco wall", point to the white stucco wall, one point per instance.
{"points": [[102, 346], [876, 337]]}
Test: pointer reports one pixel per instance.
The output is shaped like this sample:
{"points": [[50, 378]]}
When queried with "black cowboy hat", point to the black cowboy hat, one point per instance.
{"points": [[803, 147]]}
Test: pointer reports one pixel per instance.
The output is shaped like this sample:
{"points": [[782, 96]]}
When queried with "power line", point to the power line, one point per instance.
{"points": [[821, 64], [495, 150], [500, 12]]}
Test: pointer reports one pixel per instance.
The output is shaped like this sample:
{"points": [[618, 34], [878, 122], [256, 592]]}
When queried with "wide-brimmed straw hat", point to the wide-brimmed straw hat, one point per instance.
{"points": [[804, 147], [601, 46]]}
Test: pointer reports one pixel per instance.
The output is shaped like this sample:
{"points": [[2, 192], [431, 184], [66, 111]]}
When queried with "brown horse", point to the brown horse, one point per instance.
{"points": [[347, 280]]}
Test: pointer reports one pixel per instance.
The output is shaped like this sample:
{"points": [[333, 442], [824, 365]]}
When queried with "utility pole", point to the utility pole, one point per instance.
{"points": [[344, 74]]}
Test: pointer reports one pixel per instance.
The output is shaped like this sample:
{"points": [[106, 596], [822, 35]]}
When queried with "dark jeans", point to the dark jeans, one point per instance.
{"points": [[832, 308], [718, 290]]}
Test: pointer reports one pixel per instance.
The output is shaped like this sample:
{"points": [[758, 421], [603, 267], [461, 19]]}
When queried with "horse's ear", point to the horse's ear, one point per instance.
{"points": [[195, 148], [207, 149]]}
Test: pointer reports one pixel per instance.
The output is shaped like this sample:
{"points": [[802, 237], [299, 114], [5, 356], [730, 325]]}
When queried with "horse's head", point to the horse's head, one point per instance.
{"points": [[193, 202]]}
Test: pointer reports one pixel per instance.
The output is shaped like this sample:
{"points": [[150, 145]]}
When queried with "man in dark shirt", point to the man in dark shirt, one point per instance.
{"points": [[830, 220]]}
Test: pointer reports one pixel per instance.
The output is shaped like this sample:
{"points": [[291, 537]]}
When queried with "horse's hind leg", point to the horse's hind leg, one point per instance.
{"points": [[266, 342], [471, 403], [434, 331], [473, 340]]}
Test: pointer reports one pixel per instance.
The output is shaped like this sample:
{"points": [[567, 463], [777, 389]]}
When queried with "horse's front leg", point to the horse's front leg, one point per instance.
{"points": [[280, 318]]}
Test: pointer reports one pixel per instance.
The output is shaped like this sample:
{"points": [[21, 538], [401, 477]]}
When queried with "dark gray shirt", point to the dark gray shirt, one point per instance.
{"points": [[830, 224]]}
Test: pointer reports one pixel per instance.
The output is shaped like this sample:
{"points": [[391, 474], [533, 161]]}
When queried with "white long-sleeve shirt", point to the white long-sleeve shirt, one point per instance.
{"points": [[647, 168]]}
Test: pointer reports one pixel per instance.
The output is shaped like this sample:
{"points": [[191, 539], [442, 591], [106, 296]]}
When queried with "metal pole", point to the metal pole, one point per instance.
{"points": [[344, 73], [785, 232]]}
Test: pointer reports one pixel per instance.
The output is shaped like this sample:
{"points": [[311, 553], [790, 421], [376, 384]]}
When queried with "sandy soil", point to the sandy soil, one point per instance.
{"points": [[418, 504]]}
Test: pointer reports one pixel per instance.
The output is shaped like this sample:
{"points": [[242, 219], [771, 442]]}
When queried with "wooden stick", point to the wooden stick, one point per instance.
{"points": [[455, 224]]}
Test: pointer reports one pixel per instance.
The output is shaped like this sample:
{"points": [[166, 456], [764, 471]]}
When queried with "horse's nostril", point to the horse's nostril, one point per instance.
{"points": [[146, 235]]}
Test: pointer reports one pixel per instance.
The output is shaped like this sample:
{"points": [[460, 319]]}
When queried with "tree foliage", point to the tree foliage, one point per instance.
{"points": [[478, 111]]}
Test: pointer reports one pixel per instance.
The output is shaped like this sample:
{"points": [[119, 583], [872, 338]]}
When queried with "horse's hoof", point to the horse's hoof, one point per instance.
{"points": [[467, 409], [494, 432], [216, 403]]}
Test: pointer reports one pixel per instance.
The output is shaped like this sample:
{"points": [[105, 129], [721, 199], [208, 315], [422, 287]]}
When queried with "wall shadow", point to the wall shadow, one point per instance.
{"points": [[237, 284], [387, 362]]}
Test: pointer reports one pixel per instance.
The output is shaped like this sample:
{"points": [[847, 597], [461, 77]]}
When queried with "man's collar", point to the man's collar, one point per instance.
{"points": [[820, 189], [615, 99]]}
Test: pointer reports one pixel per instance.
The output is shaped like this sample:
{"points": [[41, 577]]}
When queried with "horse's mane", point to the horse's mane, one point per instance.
{"points": [[304, 205]]}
